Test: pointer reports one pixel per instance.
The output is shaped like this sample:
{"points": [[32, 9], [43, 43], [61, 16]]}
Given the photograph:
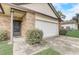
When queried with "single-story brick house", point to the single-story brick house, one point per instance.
{"points": [[70, 25], [17, 18]]}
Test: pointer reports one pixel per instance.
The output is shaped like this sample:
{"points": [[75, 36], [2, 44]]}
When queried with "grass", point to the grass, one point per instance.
{"points": [[5, 48], [73, 33], [48, 51]]}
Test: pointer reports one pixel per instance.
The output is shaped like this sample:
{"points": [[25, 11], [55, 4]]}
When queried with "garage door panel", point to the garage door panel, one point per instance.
{"points": [[49, 29]]}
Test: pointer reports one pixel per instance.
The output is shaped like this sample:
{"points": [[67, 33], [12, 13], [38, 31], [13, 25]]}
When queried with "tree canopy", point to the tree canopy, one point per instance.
{"points": [[76, 18], [61, 15]]}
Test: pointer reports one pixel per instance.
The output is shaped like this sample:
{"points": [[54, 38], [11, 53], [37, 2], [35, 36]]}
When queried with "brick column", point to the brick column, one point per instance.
{"points": [[28, 22], [59, 24]]}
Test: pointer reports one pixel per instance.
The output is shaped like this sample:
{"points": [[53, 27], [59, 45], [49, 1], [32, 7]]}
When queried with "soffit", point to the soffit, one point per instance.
{"points": [[17, 13]]}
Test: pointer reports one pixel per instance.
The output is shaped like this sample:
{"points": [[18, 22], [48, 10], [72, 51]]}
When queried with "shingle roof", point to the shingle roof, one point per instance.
{"points": [[68, 22], [50, 4]]}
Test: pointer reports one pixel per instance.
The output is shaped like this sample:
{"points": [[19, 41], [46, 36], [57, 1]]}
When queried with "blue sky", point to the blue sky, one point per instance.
{"points": [[69, 9]]}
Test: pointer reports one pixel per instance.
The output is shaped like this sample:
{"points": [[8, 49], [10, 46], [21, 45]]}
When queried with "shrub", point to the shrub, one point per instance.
{"points": [[3, 35], [62, 31], [34, 36]]}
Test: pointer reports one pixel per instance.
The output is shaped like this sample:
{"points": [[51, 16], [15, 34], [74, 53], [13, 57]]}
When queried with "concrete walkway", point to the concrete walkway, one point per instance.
{"points": [[20, 47], [65, 45]]}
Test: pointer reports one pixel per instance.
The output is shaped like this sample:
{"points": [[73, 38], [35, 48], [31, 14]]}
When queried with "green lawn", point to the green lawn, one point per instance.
{"points": [[73, 33], [48, 51], [5, 48]]}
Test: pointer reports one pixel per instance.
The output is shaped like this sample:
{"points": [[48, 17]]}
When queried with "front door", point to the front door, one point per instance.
{"points": [[16, 28]]}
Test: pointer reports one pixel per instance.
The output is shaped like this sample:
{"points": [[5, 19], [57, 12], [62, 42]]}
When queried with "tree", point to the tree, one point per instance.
{"points": [[76, 18], [61, 15]]}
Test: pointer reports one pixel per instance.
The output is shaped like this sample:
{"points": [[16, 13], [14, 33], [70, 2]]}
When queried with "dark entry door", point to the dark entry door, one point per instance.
{"points": [[16, 28]]}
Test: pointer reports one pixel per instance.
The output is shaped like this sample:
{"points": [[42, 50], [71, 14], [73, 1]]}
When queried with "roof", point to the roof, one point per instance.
{"points": [[53, 9], [68, 22], [50, 5], [20, 3], [14, 5]]}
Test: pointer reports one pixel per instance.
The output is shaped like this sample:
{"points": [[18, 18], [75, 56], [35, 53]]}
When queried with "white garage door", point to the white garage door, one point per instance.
{"points": [[49, 29]]}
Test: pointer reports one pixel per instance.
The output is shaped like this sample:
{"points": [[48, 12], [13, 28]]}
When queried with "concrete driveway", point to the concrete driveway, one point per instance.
{"points": [[65, 45]]}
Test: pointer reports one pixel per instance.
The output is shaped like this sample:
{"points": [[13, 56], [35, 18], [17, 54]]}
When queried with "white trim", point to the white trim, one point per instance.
{"points": [[49, 21], [11, 32], [45, 18]]}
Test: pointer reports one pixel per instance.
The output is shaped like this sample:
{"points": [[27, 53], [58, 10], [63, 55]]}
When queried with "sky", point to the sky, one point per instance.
{"points": [[68, 9]]}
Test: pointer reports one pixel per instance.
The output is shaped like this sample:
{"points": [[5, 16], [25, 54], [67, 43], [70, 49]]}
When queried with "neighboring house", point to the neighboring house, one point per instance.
{"points": [[25, 16], [69, 25]]}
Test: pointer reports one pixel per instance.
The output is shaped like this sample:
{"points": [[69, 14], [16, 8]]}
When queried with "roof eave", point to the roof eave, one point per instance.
{"points": [[54, 10], [2, 9], [26, 9]]}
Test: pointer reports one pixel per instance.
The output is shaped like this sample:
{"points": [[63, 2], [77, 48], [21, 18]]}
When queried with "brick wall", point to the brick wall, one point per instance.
{"points": [[5, 23], [28, 22]]}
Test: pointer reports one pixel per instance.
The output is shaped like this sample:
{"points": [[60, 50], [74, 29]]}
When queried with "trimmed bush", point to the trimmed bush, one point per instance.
{"points": [[34, 36], [3, 35], [62, 31]]}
